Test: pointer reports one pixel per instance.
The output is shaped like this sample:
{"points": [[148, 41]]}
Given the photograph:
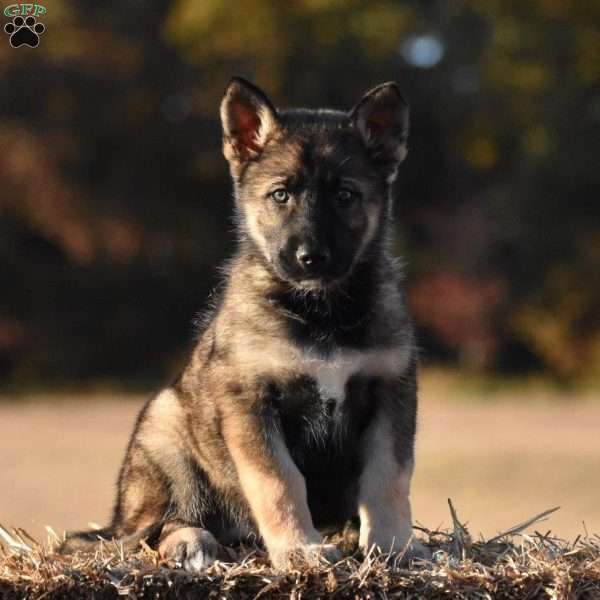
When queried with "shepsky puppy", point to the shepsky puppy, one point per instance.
{"points": [[297, 409]]}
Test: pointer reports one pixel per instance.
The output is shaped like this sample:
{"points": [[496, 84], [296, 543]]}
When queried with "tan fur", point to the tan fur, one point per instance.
{"points": [[384, 506], [276, 492], [261, 216], [164, 438]]}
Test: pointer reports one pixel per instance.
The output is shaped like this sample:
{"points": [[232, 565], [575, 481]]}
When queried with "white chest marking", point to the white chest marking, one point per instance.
{"points": [[333, 373]]}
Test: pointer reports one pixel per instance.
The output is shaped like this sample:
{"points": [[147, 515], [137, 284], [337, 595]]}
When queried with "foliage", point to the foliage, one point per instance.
{"points": [[114, 199]]}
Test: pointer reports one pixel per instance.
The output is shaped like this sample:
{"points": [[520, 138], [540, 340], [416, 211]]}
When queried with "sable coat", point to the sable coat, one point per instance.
{"points": [[297, 409]]}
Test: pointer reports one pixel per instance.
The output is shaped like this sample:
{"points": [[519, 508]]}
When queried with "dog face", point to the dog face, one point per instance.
{"points": [[312, 186]]}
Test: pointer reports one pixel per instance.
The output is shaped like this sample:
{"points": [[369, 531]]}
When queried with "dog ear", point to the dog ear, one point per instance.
{"points": [[248, 119], [381, 118]]}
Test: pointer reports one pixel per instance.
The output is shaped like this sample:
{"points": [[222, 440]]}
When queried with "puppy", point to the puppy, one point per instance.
{"points": [[297, 409]]}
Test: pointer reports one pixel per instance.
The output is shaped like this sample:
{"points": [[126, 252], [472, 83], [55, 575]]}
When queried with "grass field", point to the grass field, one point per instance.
{"points": [[501, 456]]}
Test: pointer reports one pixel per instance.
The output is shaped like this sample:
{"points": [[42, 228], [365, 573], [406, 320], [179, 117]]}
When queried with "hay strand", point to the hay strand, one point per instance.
{"points": [[534, 566]]}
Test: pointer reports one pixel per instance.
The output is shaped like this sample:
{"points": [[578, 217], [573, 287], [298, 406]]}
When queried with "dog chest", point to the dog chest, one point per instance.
{"points": [[282, 362], [331, 374]]}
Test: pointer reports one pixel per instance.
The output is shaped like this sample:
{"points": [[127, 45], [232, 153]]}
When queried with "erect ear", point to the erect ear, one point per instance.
{"points": [[248, 119], [381, 117]]}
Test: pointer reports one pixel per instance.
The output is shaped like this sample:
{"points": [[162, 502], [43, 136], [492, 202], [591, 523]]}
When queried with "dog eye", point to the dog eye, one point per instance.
{"points": [[345, 196], [280, 196]]}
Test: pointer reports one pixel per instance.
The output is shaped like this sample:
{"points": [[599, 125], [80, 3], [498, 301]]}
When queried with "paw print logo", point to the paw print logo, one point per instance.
{"points": [[24, 32]]}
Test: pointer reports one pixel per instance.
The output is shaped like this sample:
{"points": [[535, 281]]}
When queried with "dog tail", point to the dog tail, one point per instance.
{"points": [[90, 541]]}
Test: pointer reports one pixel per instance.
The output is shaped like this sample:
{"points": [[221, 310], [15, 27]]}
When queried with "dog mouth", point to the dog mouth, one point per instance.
{"points": [[316, 282], [316, 279]]}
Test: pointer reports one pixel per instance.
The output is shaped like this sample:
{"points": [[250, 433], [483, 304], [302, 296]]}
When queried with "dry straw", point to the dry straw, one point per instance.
{"points": [[511, 565]]}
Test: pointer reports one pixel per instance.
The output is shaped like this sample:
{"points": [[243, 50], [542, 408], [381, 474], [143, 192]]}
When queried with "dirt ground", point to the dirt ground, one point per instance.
{"points": [[501, 458]]}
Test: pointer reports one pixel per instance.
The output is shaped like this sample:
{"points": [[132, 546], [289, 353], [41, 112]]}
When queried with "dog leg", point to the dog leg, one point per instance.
{"points": [[275, 491], [384, 506]]}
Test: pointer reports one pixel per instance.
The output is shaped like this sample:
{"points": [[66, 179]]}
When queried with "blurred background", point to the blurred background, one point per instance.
{"points": [[115, 211]]}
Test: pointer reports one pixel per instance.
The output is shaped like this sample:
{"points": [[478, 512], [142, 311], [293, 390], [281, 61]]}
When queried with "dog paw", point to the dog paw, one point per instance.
{"points": [[192, 548], [314, 554], [402, 553]]}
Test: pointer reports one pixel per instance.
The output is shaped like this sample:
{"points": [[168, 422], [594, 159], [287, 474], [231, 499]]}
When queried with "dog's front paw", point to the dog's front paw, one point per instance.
{"points": [[403, 545], [301, 555], [192, 548], [402, 555], [315, 554]]}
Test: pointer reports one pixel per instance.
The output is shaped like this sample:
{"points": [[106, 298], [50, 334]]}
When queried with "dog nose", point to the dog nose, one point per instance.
{"points": [[312, 258]]}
